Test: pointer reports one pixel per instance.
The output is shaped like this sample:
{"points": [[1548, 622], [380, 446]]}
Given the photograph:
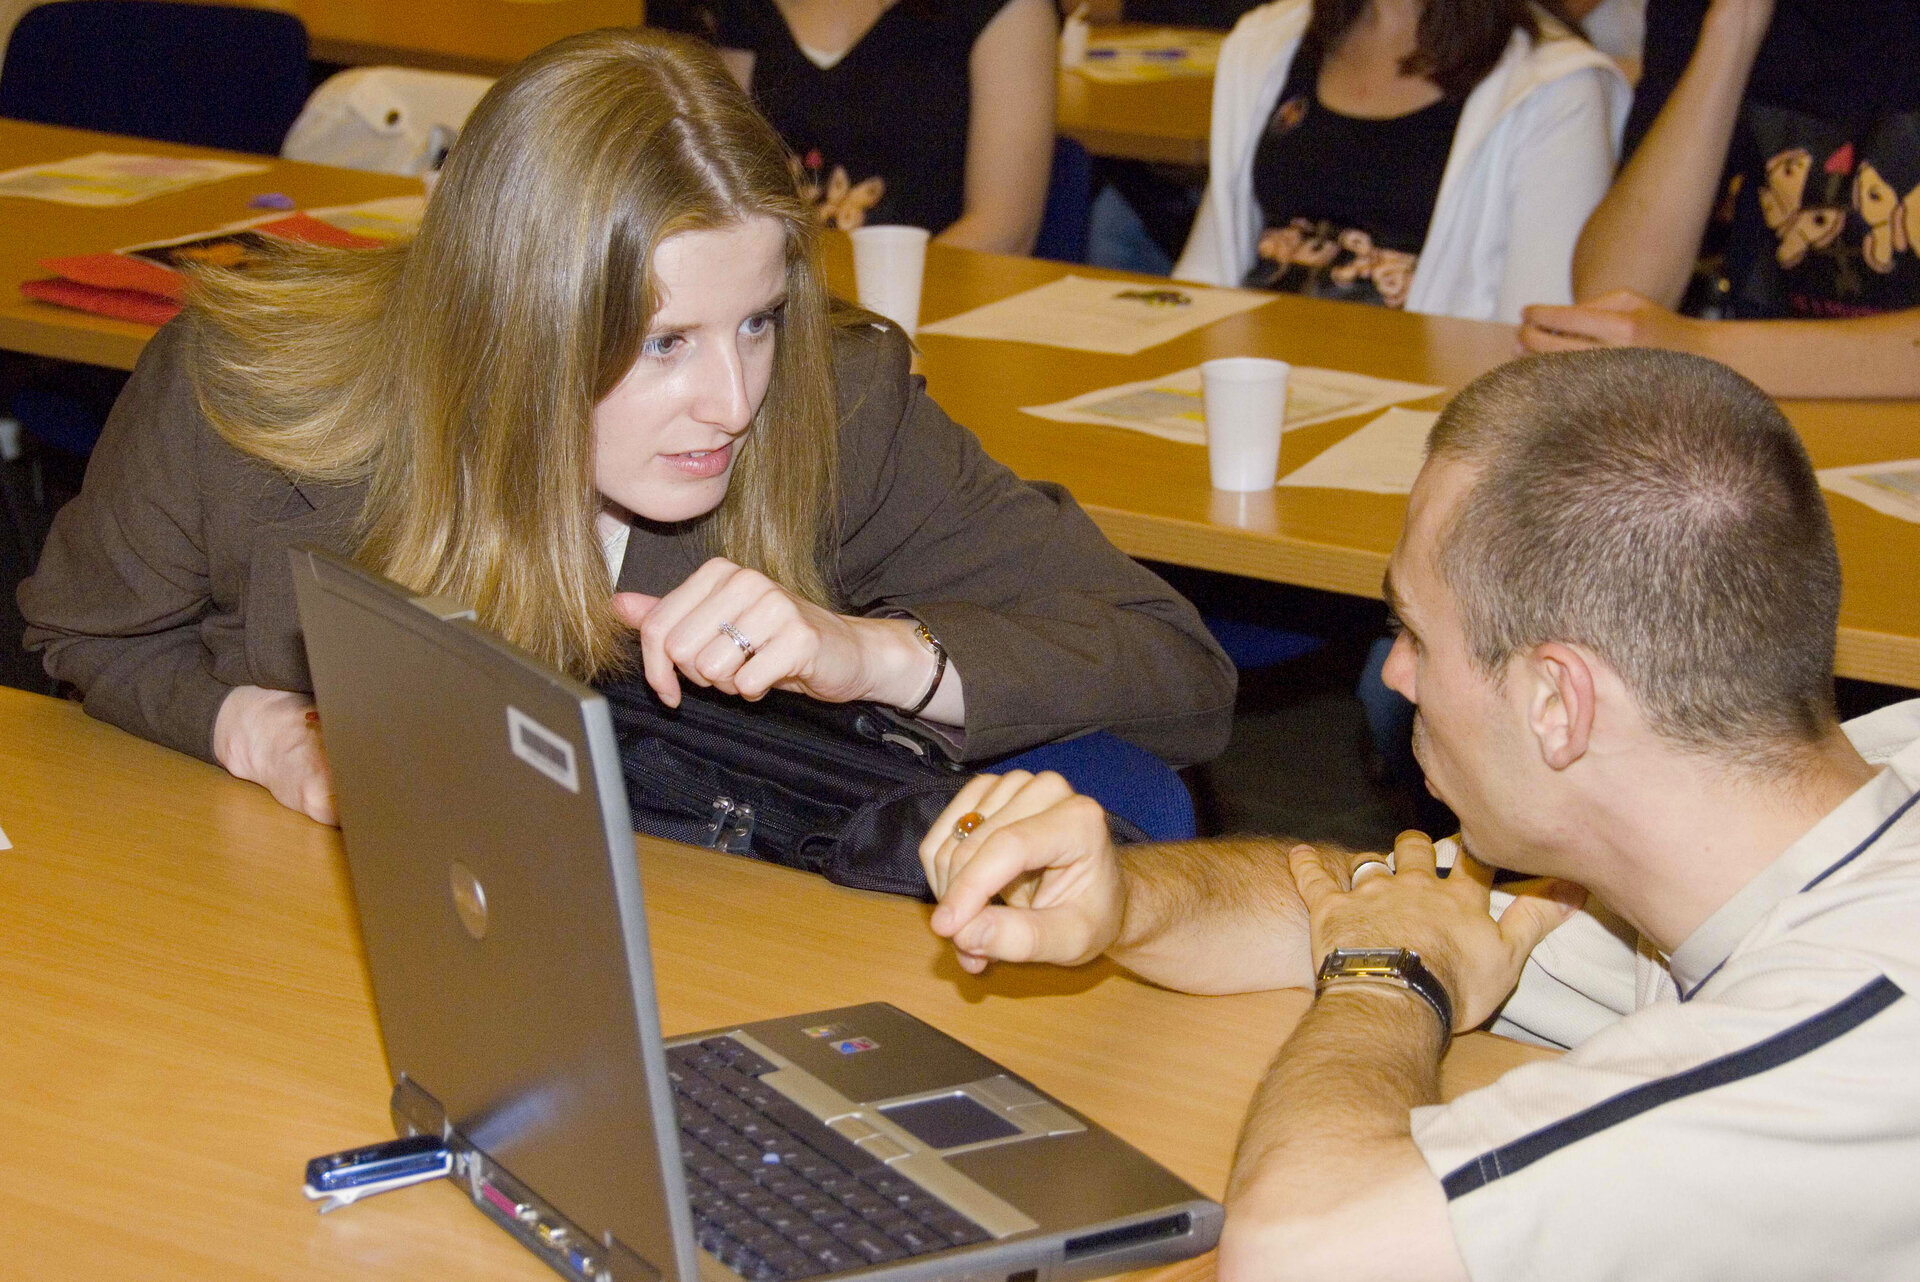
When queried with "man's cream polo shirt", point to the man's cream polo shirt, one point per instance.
{"points": [[1748, 1110]]}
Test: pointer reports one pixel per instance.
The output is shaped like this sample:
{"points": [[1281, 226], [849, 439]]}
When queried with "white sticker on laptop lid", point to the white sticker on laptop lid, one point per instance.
{"points": [[542, 749]]}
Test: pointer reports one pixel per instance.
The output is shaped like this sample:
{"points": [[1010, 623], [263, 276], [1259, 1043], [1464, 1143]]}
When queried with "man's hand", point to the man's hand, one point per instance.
{"points": [[1043, 849], [1445, 920], [272, 738], [1619, 319], [740, 632]]}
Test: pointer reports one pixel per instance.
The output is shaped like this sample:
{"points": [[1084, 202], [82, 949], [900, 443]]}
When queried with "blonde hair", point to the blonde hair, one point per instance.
{"points": [[456, 375]]}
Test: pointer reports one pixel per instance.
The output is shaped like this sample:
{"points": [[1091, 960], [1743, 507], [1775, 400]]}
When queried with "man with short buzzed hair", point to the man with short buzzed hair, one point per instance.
{"points": [[1618, 592]]}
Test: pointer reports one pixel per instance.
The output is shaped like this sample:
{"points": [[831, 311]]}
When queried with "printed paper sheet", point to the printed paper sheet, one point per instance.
{"points": [[1891, 488], [1172, 406], [1118, 317], [105, 178], [394, 218], [1381, 458], [1143, 56]]}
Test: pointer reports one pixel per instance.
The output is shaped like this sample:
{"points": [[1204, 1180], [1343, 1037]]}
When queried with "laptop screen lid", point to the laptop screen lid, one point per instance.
{"points": [[485, 822]]}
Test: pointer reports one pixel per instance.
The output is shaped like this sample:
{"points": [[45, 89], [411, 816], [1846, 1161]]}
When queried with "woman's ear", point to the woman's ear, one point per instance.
{"points": [[1560, 702]]}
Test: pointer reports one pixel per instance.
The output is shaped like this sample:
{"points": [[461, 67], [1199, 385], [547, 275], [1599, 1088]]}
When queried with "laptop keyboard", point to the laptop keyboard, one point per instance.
{"points": [[776, 1192]]}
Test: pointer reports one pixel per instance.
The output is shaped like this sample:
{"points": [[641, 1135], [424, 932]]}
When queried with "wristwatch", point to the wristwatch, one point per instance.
{"points": [[931, 644], [1400, 967]]}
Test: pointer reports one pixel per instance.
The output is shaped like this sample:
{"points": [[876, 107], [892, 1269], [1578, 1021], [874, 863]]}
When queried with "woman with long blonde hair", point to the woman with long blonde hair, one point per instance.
{"points": [[607, 361]]}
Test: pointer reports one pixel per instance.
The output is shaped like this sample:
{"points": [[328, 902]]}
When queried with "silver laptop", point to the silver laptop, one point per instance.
{"points": [[487, 831]]}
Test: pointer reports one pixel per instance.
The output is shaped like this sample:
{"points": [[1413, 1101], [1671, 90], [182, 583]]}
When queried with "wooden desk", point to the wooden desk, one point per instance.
{"points": [[1150, 496], [1153, 498], [483, 37], [1164, 121], [187, 1019], [34, 229]]}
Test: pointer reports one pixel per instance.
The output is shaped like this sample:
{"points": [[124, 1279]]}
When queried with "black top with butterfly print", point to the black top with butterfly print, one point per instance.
{"points": [[1821, 214], [1345, 201], [880, 136]]}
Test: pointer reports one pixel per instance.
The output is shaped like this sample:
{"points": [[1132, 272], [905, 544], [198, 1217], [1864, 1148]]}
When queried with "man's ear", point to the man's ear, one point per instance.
{"points": [[1560, 698]]}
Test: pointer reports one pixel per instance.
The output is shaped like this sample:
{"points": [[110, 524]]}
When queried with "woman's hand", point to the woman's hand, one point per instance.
{"points": [[272, 738], [740, 632]]}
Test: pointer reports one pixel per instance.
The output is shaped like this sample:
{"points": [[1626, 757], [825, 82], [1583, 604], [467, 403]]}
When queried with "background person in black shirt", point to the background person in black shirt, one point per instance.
{"points": [[933, 113], [1782, 141]]}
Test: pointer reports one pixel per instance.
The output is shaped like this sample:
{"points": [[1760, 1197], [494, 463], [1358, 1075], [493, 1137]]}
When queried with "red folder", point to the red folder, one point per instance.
{"points": [[132, 288]]}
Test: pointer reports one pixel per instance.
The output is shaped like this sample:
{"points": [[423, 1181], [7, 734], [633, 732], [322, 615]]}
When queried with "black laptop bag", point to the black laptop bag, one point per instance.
{"points": [[841, 790]]}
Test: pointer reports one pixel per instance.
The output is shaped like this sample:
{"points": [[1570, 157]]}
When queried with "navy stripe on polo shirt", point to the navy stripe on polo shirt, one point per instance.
{"points": [[1782, 1048]]}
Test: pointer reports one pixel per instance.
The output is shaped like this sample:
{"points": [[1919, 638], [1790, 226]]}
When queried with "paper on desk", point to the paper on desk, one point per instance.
{"points": [[1119, 317], [1172, 407], [1142, 56], [106, 178], [1381, 458], [4, 843], [1891, 488], [393, 218]]}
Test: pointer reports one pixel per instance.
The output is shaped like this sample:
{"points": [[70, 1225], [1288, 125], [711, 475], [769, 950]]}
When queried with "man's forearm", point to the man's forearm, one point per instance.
{"points": [[1646, 234], [1213, 917], [1327, 1181]]}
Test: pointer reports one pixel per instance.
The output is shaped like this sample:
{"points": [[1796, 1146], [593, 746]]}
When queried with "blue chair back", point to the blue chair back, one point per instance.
{"points": [[210, 75], [1125, 779]]}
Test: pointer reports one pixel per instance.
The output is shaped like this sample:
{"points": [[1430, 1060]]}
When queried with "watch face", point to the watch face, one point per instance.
{"points": [[1381, 962]]}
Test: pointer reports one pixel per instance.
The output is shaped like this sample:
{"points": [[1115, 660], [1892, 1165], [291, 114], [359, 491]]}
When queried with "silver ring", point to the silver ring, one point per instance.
{"points": [[1371, 868], [739, 638]]}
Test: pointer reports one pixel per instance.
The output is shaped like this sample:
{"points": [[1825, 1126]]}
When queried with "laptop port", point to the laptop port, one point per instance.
{"points": [[1167, 1226], [501, 1202]]}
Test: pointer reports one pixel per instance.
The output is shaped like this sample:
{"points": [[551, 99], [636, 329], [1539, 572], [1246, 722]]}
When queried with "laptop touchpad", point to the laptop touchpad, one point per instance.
{"points": [[949, 1121]]}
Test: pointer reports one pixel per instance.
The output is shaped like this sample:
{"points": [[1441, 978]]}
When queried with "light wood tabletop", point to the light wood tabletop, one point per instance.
{"points": [[188, 1019], [1151, 496], [1164, 121]]}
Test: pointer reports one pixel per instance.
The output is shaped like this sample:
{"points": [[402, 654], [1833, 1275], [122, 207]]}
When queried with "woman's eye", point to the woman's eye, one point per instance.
{"points": [[764, 323], [661, 345]]}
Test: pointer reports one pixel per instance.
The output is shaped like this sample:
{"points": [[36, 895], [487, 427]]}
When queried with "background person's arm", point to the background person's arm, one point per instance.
{"points": [[1866, 356], [739, 65], [1646, 234], [1009, 130]]}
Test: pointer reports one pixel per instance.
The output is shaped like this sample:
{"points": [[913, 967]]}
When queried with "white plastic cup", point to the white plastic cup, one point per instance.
{"points": [[1073, 40], [888, 264], [1246, 407]]}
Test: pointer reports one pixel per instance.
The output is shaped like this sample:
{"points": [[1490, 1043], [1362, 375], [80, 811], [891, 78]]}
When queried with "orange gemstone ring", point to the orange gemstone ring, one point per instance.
{"points": [[963, 828]]}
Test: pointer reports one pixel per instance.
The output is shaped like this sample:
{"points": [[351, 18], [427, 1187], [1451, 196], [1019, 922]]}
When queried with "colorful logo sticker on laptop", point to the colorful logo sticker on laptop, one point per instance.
{"points": [[854, 1045], [819, 1031]]}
